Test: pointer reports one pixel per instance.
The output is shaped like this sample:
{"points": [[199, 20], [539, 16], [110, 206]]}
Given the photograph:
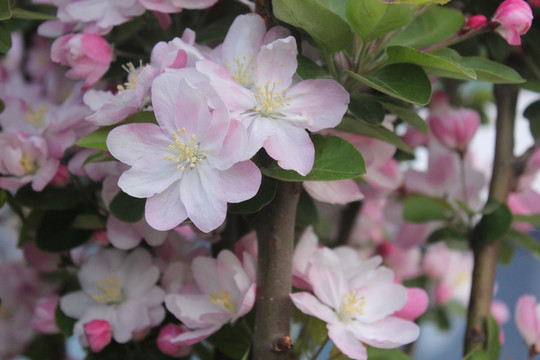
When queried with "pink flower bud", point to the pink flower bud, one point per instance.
{"points": [[98, 333], [61, 179], [88, 55], [514, 18], [416, 305], [454, 128], [169, 347], [443, 293], [474, 22], [43, 319], [527, 321]]}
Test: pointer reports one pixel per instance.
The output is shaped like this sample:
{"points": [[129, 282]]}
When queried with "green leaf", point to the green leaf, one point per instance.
{"points": [[365, 108], [407, 82], [529, 219], [5, 38], [352, 125], [98, 156], [532, 113], [64, 323], [447, 233], [493, 345], [306, 214], [3, 198], [97, 139], [386, 354], [328, 29], [431, 27], [525, 241], [29, 227], [264, 196], [89, 222], [406, 114], [232, 340], [421, 208], [5, 10], [127, 208], [55, 233], [486, 70], [371, 19], [335, 159], [477, 355], [308, 69], [19, 13], [430, 62], [506, 252], [49, 198], [2, 106], [493, 225]]}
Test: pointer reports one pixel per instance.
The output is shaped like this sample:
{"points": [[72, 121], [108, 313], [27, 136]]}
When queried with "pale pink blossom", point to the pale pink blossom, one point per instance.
{"points": [[226, 292], [454, 128], [527, 315], [98, 334], [88, 56], [174, 6], [514, 18], [43, 316], [190, 165], [166, 344], [417, 304]]}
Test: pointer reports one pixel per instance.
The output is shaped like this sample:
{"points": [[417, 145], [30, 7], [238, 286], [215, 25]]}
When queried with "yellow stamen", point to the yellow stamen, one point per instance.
{"points": [[241, 73], [36, 118], [28, 164], [110, 290], [269, 100], [222, 299], [351, 306], [186, 154], [133, 74]]}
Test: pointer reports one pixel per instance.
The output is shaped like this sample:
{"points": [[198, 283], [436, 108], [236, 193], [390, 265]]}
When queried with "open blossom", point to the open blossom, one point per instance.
{"points": [[173, 6], [226, 292], [527, 321], [117, 287], [88, 55], [190, 165], [358, 306], [514, 18]]}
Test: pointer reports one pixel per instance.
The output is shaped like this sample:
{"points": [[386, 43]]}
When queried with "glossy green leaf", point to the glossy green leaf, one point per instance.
{"points": [[365, 108], [6, 10], [89, 222], [526, 241], [308, 69], [232, 340], [430, 63], [447, 233], [5, 38], [493, 346], [386, 354], [328, 29], [127, 208], [335, 159], [434, 25], [264, 196], [19, 13], [493, 225], [352, 125], [29, 227], [55, 233], [421, 208], [306, 214], [407, 82], [532, 113], [97, 139], [406, 114], [371, 19], [49, 198], [529, 219], [64, 323]]}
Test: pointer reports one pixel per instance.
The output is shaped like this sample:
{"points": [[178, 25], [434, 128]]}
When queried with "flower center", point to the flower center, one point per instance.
{"points": [[222, 299], [241, 73], [28, 164], [269, 100], [109, 290], [36, 118], [133, 74], [351, 306], [186, 154]]}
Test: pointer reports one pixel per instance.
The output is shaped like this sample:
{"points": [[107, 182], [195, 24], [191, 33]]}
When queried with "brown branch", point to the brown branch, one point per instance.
{"points": [[264, 8], [275, 236], [486, 255]]}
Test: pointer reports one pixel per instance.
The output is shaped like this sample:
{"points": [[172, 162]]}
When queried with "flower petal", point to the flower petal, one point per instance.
{"points": [[165, 210]]}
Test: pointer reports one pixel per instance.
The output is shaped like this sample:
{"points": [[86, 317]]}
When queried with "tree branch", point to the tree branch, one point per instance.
{"points": [[275, 236], [486, 255]]}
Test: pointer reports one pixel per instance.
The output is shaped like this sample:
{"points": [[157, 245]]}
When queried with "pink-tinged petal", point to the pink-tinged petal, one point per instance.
{"points": [[247, 302], [205, 273], [128, 143], [120, 235], [165, 211], [235, 97], [308, 304], [307, 245], [189, 308], [275, 33], [241, 181], [195, 336], [244, 39], [347, 342], [527, 319], [45, 174], [381, 300], [98, 333], [213, 135], [164, 19], [75, 304], [178, 105], [322, 101], [329, 282], [387, 333], [276, 63], [203, 196], [334, 192], [416, 305], [291, 147]]}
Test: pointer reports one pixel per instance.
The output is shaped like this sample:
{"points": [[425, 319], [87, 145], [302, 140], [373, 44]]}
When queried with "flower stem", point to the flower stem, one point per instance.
{"points": [[321, 348]]}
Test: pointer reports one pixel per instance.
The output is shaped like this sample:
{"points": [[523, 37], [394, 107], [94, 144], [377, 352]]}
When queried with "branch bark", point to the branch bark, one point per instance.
{"points": [[275, 236], [486, 255]]}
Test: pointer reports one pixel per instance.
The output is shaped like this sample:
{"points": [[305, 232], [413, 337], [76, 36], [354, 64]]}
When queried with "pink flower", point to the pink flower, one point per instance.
{"points": [[416, 305], [527, 313], [514, 18], [88, 55], [190, 165], [173, 6], [169, 347], [43, 316], [454, 128], [98, 333], [474, 22]]}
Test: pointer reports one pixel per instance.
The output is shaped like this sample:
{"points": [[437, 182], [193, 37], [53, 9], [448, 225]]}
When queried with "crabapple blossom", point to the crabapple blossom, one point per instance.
{"points": [[526, 315], [454, 128], [226, 292], [173, 6], [514, 18], [43, 316], [118, 287], [166, 344], [190, 165], [98, 334]]}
